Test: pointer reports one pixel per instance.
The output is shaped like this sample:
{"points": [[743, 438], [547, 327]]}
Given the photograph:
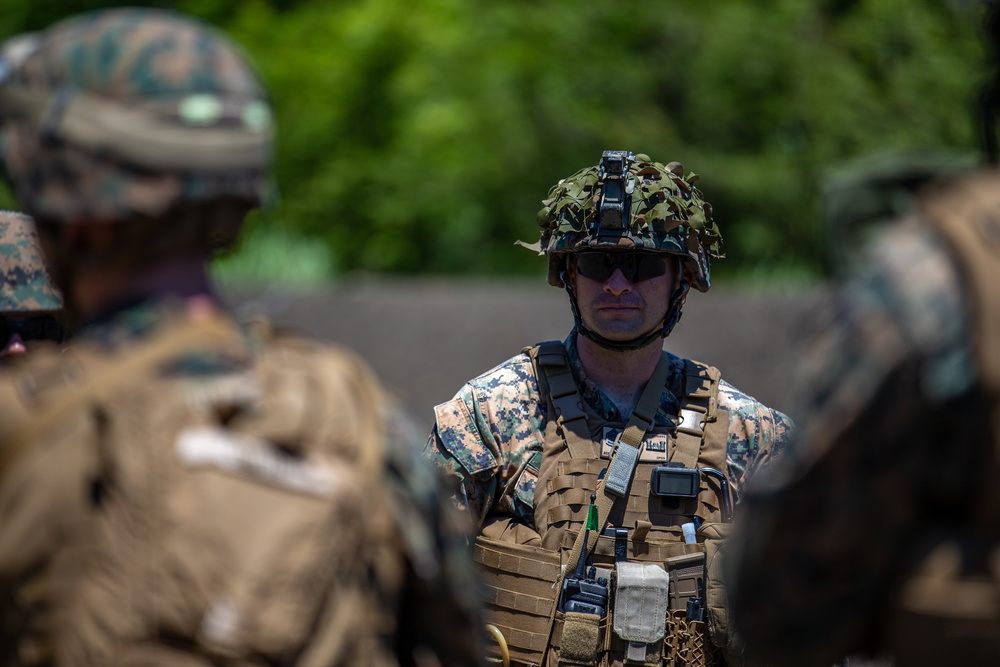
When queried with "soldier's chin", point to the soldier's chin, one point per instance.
{"points": [[620, 334]]}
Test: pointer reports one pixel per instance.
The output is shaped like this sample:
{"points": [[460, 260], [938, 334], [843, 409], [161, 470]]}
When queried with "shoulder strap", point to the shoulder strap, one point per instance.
{"points": [[967, 216], [699, 406], [105, 376], [556, 383], [625, 457]]}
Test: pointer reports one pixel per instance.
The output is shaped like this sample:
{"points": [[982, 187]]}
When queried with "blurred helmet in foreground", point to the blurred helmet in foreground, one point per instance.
{"points": [[127, 113]]}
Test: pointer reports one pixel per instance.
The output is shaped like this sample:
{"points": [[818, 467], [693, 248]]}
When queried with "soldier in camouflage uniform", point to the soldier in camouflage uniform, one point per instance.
{"points": [[29, 304], [175, 488], [626, 238], [879, 530]]}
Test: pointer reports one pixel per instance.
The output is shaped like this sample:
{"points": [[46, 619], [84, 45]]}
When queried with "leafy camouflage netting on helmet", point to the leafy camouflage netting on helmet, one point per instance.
{"points": [[130, 69], [26, 285], [667, 214]]}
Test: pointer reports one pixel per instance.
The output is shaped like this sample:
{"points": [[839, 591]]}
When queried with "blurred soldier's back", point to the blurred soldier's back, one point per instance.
{"points": [[176, 488]]}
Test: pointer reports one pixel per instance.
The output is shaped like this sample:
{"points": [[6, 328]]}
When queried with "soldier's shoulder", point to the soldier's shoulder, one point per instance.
{"points": [[738, 401], [911, 284], [746, 408], [910, 267], [33, 386], [515, 370], [511, 380]]}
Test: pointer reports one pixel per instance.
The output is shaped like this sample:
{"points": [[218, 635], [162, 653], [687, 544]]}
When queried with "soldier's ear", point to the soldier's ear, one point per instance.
{"points": [[684, 272], [571, 270]]}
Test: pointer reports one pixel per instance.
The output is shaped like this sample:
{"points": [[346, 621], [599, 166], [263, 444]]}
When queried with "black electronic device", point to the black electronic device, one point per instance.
{"points": [[673, 480]]}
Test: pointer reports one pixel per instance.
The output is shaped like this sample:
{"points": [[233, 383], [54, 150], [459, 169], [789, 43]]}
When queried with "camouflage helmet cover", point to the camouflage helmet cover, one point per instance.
{"points": [[26, 285], [128, 111], [662, 211]]}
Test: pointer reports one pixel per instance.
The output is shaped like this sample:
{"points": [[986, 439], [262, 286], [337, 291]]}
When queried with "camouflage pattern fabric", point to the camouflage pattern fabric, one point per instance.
{"points": [[164, 66], [26, 284], [879, 459], [667, 214], [433, 609], [496, 423]]}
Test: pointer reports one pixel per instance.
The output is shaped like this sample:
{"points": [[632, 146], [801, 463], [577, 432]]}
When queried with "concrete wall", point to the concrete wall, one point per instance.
{"points": [[426, 337]]}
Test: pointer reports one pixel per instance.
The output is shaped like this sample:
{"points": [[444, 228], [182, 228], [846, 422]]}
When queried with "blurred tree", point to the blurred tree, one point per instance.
{"points": [[421, 136]]}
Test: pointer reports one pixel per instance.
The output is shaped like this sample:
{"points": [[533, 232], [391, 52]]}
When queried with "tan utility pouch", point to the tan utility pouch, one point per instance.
{"points": [[641, 601], [720, 628], [520, 592]]}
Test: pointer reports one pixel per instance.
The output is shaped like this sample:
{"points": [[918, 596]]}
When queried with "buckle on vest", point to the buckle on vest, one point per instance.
{"points": [[691, 422]]}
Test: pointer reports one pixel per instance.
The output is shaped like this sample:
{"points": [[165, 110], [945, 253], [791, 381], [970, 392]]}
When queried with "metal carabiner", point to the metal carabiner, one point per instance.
{"points": [[498, 637]]}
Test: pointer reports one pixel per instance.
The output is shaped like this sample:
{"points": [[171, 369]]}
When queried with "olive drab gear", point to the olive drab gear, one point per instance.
{"points": [[642, 557], [255, 498], [949, 610], [628, 202], [26, 286], [174, 113]]}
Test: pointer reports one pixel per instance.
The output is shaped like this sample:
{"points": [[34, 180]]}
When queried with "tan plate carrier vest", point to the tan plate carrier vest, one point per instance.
{"points": [[236, 559], [523, 569], [946, 616]]}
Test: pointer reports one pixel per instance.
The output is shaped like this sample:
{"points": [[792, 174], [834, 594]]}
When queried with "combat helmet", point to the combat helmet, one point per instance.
{"points": [[629, 202], [26, 285], [128, 112]]}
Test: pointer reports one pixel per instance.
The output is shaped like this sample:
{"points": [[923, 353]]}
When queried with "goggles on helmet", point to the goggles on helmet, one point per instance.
{"points": [[636, 266]]}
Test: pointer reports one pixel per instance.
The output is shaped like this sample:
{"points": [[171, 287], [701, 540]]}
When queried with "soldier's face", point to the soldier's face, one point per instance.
{"points": [[631, 300]]}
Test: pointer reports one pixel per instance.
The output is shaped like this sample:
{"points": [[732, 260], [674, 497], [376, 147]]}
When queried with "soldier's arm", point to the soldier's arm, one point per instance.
{"points": [[462, 448], [823, 532], [757, 434], [483, 439], [441, 612]]}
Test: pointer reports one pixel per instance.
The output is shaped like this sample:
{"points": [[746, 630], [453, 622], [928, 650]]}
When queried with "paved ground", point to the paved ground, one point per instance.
{"points": [[425, 338]]}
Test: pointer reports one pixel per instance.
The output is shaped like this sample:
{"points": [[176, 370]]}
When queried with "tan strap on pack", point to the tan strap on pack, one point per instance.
{"points": [[967, 216], [109, 375], [625, 457]]}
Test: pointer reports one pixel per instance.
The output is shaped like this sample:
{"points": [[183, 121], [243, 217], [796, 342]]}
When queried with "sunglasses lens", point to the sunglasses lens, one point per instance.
{"points": [[593, 265], [636, 266], [648, 266]]}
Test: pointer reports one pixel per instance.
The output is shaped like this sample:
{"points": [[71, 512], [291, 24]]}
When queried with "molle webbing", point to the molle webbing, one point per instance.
{"points": [[699, 441], [967, 216], [555, 376], [625, 457], [519, 593]]}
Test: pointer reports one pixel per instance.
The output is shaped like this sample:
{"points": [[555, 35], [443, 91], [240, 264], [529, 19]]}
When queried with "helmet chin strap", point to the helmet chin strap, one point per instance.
{"points": [[673, 315]]}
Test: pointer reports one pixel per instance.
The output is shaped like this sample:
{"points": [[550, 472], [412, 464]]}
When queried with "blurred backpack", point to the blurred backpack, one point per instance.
{"points": [[236, 514]]}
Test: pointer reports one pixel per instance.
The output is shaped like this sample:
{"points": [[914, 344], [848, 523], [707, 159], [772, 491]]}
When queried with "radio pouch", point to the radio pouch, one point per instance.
{"points": [[641, 599]]}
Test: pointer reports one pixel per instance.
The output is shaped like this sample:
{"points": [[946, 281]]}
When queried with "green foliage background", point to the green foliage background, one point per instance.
{"points": [[419, 136]]}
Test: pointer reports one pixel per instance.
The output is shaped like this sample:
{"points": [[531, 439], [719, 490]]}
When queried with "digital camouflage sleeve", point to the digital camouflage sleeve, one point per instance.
{"points": [[883, 382], [495, 425]]}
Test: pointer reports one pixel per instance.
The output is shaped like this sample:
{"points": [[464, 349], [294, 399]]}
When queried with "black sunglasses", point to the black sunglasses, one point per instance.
{"points": [[43, 327], [636, 266]]}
